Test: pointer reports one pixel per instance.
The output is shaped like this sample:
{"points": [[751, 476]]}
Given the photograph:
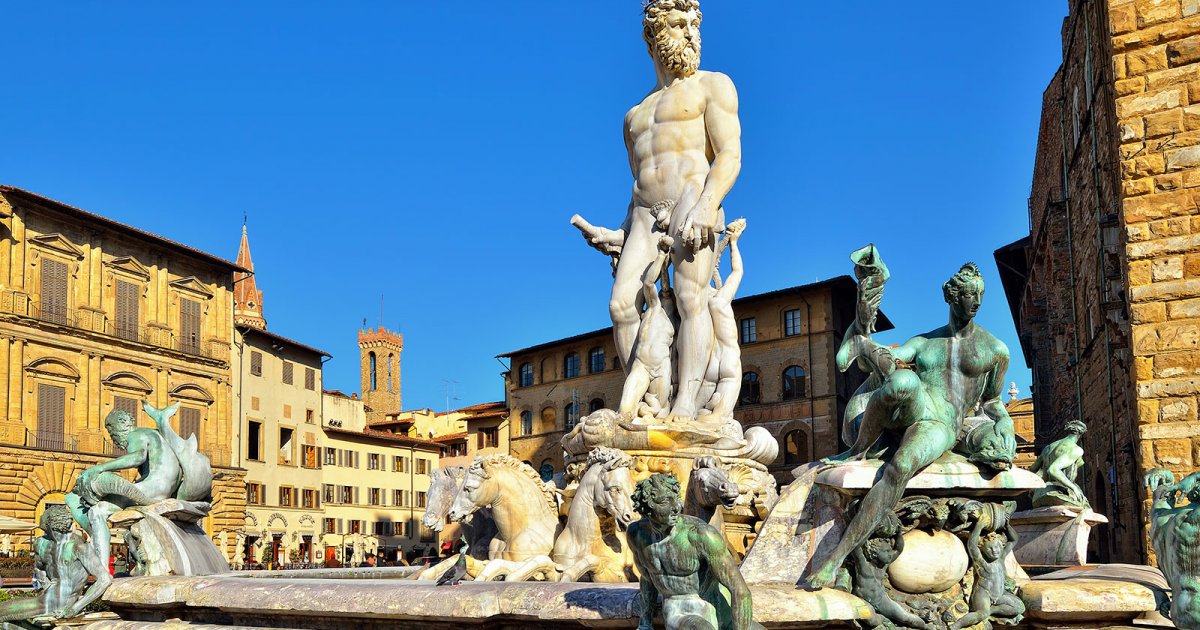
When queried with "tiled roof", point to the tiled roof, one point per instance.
{"points": [[383, 435], [282, 339], [117, 225], [488, 406], [450, 437]]}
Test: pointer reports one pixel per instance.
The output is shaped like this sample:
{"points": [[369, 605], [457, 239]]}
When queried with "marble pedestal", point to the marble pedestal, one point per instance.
{"points": [[1054, 536], [167, 539]]}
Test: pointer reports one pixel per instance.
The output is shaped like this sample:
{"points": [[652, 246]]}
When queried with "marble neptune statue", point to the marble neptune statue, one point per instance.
{"points": [[684, 145], [916, 402]]}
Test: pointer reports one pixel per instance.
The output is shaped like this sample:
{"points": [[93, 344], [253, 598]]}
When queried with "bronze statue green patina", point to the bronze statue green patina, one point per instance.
{"points": [[913, 406], [686, 561], [1175, 533], [168, 467], [1057, 465], [62, 564]]}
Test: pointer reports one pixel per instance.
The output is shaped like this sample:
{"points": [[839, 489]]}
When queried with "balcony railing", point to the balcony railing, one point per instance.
{"points": [[73, 444], [17, 303]]}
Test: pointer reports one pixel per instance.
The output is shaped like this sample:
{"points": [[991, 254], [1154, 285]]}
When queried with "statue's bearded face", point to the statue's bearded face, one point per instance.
{"points": [[676, 40], [119, 424]]}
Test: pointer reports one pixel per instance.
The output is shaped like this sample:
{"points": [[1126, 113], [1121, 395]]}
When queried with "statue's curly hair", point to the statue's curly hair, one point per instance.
{"points": [[121, 416], [655, 10], [56, 517], [654, 484], [967, 273], [1076, 427]]}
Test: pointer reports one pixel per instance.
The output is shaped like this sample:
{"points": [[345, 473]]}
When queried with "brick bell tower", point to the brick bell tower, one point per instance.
{"points": [[379, 368]]}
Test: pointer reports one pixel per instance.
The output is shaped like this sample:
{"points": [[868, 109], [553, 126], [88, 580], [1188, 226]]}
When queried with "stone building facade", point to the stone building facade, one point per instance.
{"points": [[790, 385], [1105, 290], [379, 370], [96, 316]]}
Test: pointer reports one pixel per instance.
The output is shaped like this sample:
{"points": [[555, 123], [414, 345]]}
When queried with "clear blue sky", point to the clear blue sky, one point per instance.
{"points": [[432, 152]]}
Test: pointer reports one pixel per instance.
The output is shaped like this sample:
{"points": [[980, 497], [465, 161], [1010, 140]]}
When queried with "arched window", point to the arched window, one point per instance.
{"points": [[795, 448], [526, 423], [391, 357], [526, 375], [595, 360], [571, 365], [596, 405], [372, 369], [571, 415], [793, 382], [751, 391]]}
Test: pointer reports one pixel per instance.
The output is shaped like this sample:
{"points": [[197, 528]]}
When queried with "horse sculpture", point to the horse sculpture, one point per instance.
{"points": [[593, 542], [523, 506], [709, 487], [477, 528]]}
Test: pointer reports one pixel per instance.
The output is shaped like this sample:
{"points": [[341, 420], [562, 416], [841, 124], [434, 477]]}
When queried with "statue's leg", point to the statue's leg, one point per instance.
{"points": [[923, 442], [695, 338], [99, 531], [636, 386], [625, 305], [23, 608]]}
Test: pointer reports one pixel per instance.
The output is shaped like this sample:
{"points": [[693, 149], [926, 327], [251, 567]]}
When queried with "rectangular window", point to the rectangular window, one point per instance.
{"points": [[397, 464], [189, 423], [54, 291], [489, 437], [287, 451], [457, 449], [189, 326], [330, 526], [311, 499], [397, 498], [255, 363], [327, 493], [254, 446], [309, 416], [288, 366], [382, 528], [791, 323], [287, 496], [345, 494], [330, 456], [420, 499], [397, 528], [373, 461], [287, 412], [356, 526], [127, 310], [596, 360], [374, 496], [309, 457], [422, 466], [255, 494], [310, 379], [254, 403], [749, 330], [52, 416]]}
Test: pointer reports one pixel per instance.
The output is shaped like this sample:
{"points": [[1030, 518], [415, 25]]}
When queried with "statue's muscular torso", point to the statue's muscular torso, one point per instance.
{"points": [[674, 559], [160, 479], [955, 371], [669, 149]]}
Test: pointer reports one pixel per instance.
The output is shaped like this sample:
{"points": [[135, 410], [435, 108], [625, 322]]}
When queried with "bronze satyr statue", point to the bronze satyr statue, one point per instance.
{"points": [[686, 561], [62, 564]]}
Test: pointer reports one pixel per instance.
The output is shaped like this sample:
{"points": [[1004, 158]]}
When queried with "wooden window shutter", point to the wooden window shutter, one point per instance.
{"points": [[54, 291], [127, 310], [255, 363], [189, 423], [288, 366], [310, 379], [52, 415], [189, 326]]}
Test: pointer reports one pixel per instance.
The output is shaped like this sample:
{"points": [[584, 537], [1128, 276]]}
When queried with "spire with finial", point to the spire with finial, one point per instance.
{"points": [[247, 299], [1013, 392]]}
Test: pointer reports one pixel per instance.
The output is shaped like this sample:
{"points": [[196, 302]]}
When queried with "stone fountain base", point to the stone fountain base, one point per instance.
{"points": [[1054, 536], [377, 598]]}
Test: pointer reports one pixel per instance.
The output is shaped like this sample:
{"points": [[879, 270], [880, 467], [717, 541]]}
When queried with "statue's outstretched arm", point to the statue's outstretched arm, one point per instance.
{"points": [[132, 459], [720, 561]]}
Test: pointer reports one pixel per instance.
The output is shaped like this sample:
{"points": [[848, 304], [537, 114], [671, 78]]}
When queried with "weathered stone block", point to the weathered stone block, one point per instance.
{"points": [[1183, 52], [1185, 309], [1150, 12], [1125, 87], [1190, 7], [1177, 410], [1145, 61], [1147, 411], [1149, 313], [1164, 123], [1165, 183], [1183, 244], [1173, 452], [1122, 19], [1149, 103], [1166, 388], [1183, 158], [1167, 268], [1144, 166], [1173, 290]]}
